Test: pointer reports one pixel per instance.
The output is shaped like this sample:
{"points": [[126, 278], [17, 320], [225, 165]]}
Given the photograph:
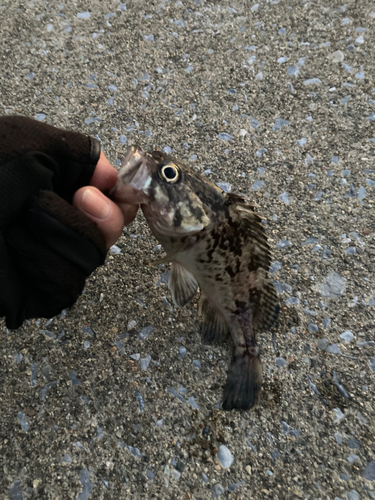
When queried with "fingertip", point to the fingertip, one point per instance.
{"points": [[105, 174]]}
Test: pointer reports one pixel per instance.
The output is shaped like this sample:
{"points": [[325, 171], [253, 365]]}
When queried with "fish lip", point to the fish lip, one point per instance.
{"points": [[130, 164], [132, 176]]}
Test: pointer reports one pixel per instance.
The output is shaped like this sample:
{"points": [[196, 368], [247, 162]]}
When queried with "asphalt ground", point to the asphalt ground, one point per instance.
{"points": [[118, 398]]}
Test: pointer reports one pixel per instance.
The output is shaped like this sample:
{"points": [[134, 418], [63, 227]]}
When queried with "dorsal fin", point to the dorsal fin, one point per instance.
{"points": [[267, 306]]}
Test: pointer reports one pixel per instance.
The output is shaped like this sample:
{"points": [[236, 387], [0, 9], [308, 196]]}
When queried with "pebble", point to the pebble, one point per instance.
{"points": [[175, 474], [15, 492], [150, 474], [193, 403], [24, 424], [197, 364], [353, 443], [74, 378], [338, 56], [182, 352], [333, 349], [115, 249], [257, 185], [323, 344], [131, 325], [254, 123], [361, 418], [87, 485], [279, 123], [83, 15], [234, 486], [284, 197], [217, 490], [333, 287], [224, 136], [87, 329], [292, 300], [140, 400], [225, 457], [338, 414], [47, 386], [275, 266], [313, 386], [252, 446], [18, 357], [326, 323], [145, 332], [338, 437], [369, 472], [312, 81], [293, 70], [225, 186], [248, 469], [145, 362], [353, 495], [120, 346], [282, 244], [371, 364], [289, 431], [341, 388], [280, 362], [174, 393], [134, 451]]}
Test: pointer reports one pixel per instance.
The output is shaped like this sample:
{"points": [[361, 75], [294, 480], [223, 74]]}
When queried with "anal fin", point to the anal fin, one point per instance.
{"points": [[214, 328], [182, 284]]}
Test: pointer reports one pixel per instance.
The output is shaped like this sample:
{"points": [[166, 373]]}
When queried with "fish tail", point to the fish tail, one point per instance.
{"points": [[243, 386]]}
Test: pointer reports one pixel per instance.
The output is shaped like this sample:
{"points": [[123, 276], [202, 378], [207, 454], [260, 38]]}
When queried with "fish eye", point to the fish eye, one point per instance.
{"points": [[170, 173]]}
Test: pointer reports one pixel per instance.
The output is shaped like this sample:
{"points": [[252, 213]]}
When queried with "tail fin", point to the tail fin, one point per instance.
{"points": [[244, 381]]}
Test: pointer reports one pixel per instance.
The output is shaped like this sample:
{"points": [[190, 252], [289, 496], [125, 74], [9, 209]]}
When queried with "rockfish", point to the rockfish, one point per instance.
{"points": [[214, 240]]}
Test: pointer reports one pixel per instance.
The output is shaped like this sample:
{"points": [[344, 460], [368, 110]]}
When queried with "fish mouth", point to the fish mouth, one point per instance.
{"points": [[134, 177]]}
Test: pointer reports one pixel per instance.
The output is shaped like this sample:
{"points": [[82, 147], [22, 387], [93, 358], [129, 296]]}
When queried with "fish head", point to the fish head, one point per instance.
{"points": [[166, 189]]}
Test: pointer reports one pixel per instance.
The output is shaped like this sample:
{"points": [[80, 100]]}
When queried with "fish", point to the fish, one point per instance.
{"points": [[215, 241]]}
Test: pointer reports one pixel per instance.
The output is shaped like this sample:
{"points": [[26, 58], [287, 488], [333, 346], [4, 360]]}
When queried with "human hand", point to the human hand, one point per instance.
{"points": [[91, 200], [47, 247]]}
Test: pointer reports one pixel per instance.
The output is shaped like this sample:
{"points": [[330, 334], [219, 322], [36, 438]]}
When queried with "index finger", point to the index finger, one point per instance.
{"points": [[105, 175]]}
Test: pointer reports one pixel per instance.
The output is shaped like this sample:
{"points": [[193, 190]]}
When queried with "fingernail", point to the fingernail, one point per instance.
{"points": [[95, 205]]}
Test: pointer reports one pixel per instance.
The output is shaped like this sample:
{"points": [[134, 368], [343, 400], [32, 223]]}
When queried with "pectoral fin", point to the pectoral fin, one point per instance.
{"points": [[182, 284], [214, 328], [162, 260]]}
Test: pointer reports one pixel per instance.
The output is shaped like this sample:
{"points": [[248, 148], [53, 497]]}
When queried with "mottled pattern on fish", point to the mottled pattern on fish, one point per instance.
{"points": [[214, 240]]}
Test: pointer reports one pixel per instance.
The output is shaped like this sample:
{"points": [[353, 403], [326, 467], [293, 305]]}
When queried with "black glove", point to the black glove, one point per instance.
{"points": [[47, 247]]}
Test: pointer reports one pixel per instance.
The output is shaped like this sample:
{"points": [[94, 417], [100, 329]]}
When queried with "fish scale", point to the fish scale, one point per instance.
{"points": [[214, 240]]}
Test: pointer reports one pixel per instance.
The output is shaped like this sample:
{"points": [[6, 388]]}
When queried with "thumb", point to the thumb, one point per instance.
{"points": [[101, 210]]}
